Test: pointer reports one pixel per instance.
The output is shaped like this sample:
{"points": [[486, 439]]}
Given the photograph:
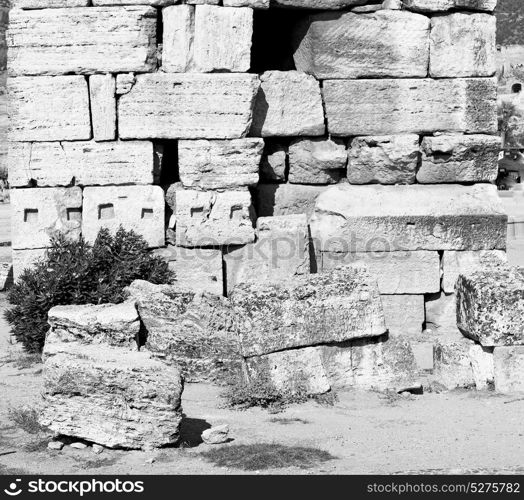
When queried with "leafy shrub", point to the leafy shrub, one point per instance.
{"points": [[26, 417], [74, 272]]}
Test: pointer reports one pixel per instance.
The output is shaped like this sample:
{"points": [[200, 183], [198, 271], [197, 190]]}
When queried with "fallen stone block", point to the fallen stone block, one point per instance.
{"points": [[445, 5], [188, 106], [481, 359], [49, 108], [316, 161], [304, 311], [178, 38], [137, 208], [441, 314], [82, 41], [273, 165], [216, 435], [350, 45], [26, 259], [383, 159], [288, 104], [452, 364], [509, 369], [102, 90], [219, 164], [490, 306], [459, 158], [399, 106], [418, 217], [404, 315]]}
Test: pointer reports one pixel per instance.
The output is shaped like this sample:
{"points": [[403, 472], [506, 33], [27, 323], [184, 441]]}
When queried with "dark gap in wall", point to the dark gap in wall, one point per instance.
{"points": [[166, 163]]}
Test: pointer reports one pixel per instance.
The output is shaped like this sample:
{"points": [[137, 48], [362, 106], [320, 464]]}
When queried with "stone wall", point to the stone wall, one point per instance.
{"points": [[4, 12]]}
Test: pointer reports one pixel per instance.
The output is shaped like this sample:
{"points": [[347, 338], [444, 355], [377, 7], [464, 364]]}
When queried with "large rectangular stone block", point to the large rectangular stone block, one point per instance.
{"points": [[509, 369], [445, 5], [82, 40], [47, 4], [318, 4], [379, 107], [102, 96], [188, 106], [404, 315], [84, 163], [178, 35], [385, 43], [38, 214], [49, 108], [137, 208], [417, 217]]}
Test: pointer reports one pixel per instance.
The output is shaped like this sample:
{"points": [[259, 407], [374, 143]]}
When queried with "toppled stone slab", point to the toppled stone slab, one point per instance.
{"points": [[398, 106], [178, 37], [418, 217], [509, 369], [286, 199], [82, 41], [288, 104], [49, 108], [404, 315], [459, 158], [445, 5], [304, 311], [490, 306], [137, 208], [452, 364], [316, 161], [350, 45], [38, 214], [482, 365], [274, 162], [102, 90], [219, 164], [188, 106]]}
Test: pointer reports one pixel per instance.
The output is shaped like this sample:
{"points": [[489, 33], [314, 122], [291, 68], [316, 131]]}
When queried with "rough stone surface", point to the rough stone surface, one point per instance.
{"points": [[82, 41], [137, 208], [318, 4], [37, 214], [509, 369], [350, 45], [445, 5], [383, 159], [50, 108], [482, 365], [316, 161], [178, 37], [153, 3], [288, 104], [255, 4], [404, 315], [273, 164], [452, 364], [459, 158], [366, 218], [322, 308], [103, 106], [219, 164], [25, 259], [84, 163], [490, 306], [216, 435], [441, 314], [188, 106], [47, 4], [380, 107]]}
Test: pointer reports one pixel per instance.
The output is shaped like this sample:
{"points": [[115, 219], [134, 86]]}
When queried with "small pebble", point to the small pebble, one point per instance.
{"points": [[98, 449], [55, 445], [78, 446]]}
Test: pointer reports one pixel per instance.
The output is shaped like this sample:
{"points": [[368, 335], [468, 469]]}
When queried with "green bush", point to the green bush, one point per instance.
{"points": [[74, 272]]}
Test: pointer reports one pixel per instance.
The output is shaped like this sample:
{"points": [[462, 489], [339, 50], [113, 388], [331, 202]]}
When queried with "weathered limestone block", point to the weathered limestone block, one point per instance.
{"points": [[366, 218], [459, 158], [47, 4], [348, 45], [335, 306], [79, 40], [112, 324], [318, 4], [85, 163], [26, 259], [255, 4], [192, 330], [466, 262], [509, 369], [404, 315], [153, 3], [110, 395], [379, 107], [288, 104], [316, 161], [482, 365], [463, 44], [281, 251], [208, 218], [396, 272], [445, 5], [188, 106], [386, 159], [124, 83], [137, 208], [178, 36], [273, 164], [102, 90], [490, 306], [37, 214], [207, 164], [49, 108], [452, 364], [286, 199], [441, 314]]}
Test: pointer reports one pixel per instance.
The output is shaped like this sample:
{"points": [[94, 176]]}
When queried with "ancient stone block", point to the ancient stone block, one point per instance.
{"points": [[452, 364], [219, 164], [178, 35], [366, 218], [288, 104], [509, 369], [37, 214], [84, 163], [187, 106], [255, 4], [26, 259], [97, 39], [137, 208], [441, 314], [103, 106], [47, 4], [404, 314], [318, 4], [303, 311], [378, 107], [286, 199], [153, 3], [459, 158], [445, 5], [124, 83], [396, 272], [316, 161], [490, 306], [49, 108], [348, 45], [273, 164], [207, 218], [481, 359], [386, 159]]}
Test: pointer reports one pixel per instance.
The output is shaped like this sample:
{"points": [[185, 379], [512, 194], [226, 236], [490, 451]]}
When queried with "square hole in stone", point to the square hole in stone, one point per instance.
{"points": [[74, 214], [106, 211], [147, 213], [31, 215]]}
